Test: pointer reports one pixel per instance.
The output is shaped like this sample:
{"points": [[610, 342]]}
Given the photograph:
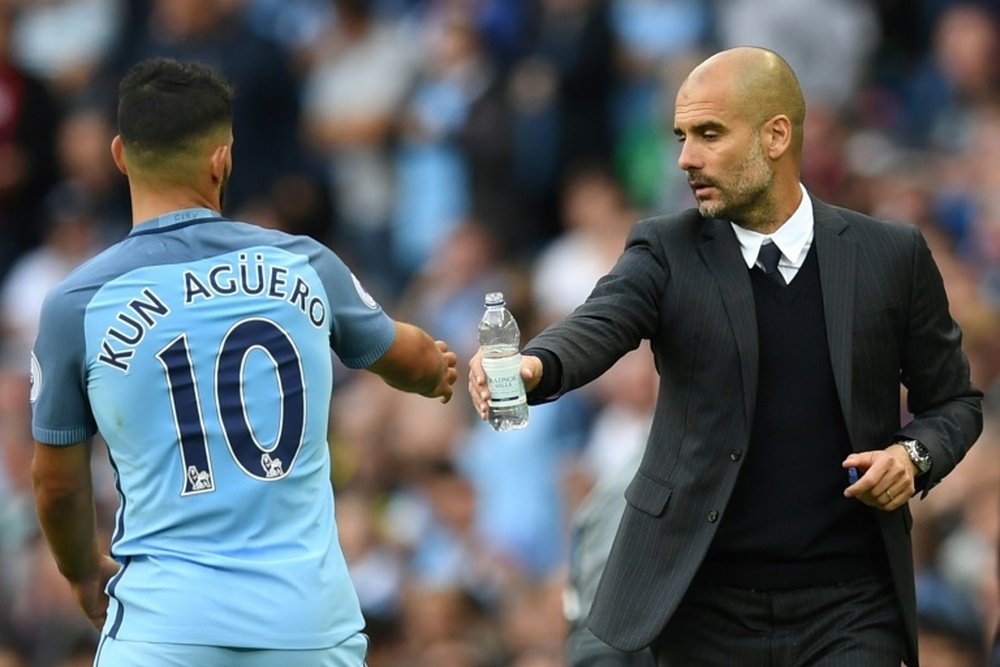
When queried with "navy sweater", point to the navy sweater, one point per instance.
{"points": [[788, 524]]}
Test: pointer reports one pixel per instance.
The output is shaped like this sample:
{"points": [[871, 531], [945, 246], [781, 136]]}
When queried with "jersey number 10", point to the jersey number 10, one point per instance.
{"points": [[264, 462]]}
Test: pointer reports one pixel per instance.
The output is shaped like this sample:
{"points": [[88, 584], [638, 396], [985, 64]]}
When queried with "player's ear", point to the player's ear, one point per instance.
{"points": [[220, 163], [118, 154]]}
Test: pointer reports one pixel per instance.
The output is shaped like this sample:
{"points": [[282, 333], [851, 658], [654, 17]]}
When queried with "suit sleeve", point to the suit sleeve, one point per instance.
{"points": [[947, 408], [621, 311]]}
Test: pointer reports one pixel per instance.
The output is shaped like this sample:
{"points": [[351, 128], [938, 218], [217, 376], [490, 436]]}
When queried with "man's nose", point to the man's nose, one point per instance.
{"points": [[688, 159]]}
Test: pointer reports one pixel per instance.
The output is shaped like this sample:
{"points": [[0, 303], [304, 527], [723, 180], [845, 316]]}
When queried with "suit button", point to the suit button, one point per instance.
{"points": [[736, 454], [713, 516]]}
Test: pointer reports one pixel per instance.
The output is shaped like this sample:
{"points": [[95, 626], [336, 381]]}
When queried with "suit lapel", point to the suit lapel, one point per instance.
{"points": [[837, 254], [721, 252]]}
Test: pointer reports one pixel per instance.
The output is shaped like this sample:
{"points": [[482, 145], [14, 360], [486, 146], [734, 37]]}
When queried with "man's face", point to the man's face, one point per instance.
{"points": [[722, 151]]}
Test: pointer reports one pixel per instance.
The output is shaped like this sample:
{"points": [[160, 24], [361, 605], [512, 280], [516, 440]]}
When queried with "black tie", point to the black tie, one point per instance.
{"points": [[768, 260]]}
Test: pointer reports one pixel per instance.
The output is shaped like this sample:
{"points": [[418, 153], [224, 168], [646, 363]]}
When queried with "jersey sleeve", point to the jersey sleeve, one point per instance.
{"points": [[61, 412], [360, 331]]}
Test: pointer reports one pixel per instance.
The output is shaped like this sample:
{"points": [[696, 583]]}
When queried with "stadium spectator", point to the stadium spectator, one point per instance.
{"points": [[70, 239], [28, 112], [40, 41], [960, 73], [352, 96], [266, 107], [596, 221]]}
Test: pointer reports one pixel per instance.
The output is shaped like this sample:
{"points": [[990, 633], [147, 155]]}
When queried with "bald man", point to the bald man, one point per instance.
{"points": [[768, 523]]}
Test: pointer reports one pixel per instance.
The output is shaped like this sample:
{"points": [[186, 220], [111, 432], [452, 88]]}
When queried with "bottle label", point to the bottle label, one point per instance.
{"points": [[503, 377]]}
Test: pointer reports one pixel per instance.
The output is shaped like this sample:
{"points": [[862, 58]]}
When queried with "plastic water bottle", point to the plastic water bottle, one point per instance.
{"points": [[500, 342]]}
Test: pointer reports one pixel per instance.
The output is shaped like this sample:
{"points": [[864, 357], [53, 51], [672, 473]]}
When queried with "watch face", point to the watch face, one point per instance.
{"points": [[919, 454]]}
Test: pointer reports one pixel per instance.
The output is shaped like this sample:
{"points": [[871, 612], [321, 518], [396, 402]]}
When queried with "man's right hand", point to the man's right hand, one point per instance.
{"points": [[479, 391], [90, 592], [449, 373]]}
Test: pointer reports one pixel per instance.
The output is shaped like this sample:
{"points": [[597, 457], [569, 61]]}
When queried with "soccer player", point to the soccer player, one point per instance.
{"points": [[199, 348]]}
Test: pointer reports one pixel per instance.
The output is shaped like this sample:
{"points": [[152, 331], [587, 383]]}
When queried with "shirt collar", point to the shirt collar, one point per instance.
{"points": [[793, 238], [184, 215]]}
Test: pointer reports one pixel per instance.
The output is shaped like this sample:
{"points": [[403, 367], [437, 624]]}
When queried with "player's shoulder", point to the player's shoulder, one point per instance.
{"points": [[249, 234], [88, 277], [66, 302]]}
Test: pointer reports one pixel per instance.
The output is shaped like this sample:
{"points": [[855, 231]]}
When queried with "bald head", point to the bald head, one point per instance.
{"points": [[739, 116], [761, 85]]}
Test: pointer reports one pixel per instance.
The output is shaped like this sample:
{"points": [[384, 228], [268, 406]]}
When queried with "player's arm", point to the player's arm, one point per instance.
{"points": [[64, 500], [417, 363]]}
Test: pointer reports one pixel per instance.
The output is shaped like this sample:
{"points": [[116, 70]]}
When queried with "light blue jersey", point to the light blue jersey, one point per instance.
{"points": [[200, 349]]}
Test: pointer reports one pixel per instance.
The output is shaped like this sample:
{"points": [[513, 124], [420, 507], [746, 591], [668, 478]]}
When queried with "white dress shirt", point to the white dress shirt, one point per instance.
{"points": [[793, 239]]}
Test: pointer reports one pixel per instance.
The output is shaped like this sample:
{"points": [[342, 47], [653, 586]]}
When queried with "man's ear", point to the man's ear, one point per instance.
{"points": [[777, 136], [118, 154], [220, 163]]}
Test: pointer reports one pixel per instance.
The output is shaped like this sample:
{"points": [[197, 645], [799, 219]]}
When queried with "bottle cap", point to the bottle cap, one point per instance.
{"points": [[494, 299]]}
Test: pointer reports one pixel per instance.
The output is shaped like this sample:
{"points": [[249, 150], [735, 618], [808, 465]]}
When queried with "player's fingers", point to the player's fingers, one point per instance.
{"points": [[451, 377]]}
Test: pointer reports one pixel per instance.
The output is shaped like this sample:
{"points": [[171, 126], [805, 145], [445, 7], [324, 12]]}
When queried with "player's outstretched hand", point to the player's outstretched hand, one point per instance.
{"points": [[445, 387]]}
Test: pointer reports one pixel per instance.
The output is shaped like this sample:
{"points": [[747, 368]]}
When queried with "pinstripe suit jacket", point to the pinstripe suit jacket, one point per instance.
{"points": [[682, 283]]}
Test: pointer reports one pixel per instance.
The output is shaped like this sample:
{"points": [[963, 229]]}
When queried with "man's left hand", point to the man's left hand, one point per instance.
{"points": [[886, 477]]}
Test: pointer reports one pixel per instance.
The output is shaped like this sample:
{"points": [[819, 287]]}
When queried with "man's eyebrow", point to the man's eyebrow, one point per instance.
{"points": [[701, 128]]}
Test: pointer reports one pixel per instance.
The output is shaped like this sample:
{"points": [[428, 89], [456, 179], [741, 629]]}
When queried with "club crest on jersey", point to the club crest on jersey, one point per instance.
{"points": [[365, 296], [36, 378]]}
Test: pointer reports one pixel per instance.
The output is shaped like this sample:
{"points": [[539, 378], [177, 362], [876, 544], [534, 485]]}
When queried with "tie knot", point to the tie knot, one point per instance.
{"points": [[768, 258]]}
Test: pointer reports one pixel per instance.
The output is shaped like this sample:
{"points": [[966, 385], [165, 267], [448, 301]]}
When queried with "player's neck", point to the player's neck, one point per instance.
{"points": [[149, 203]]}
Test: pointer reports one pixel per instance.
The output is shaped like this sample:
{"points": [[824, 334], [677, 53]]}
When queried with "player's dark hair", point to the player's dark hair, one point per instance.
{"points": [[164, 103]]}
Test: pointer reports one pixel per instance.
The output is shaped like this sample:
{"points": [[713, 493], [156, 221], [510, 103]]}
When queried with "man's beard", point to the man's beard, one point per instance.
{"points": [[749, 186]]}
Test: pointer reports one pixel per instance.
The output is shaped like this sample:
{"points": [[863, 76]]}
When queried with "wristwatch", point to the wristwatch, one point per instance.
{"points": [[918, 454]]}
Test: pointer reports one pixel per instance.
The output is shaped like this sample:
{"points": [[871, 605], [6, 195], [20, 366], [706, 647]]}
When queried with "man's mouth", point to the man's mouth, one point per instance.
{"points": [[700, 188]]}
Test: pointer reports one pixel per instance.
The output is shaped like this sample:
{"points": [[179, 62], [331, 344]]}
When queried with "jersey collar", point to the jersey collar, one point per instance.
{"points": [[181, 217]]}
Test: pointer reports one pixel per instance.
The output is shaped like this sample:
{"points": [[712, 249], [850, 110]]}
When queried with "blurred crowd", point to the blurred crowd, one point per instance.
{"points": [[446, 148]]}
